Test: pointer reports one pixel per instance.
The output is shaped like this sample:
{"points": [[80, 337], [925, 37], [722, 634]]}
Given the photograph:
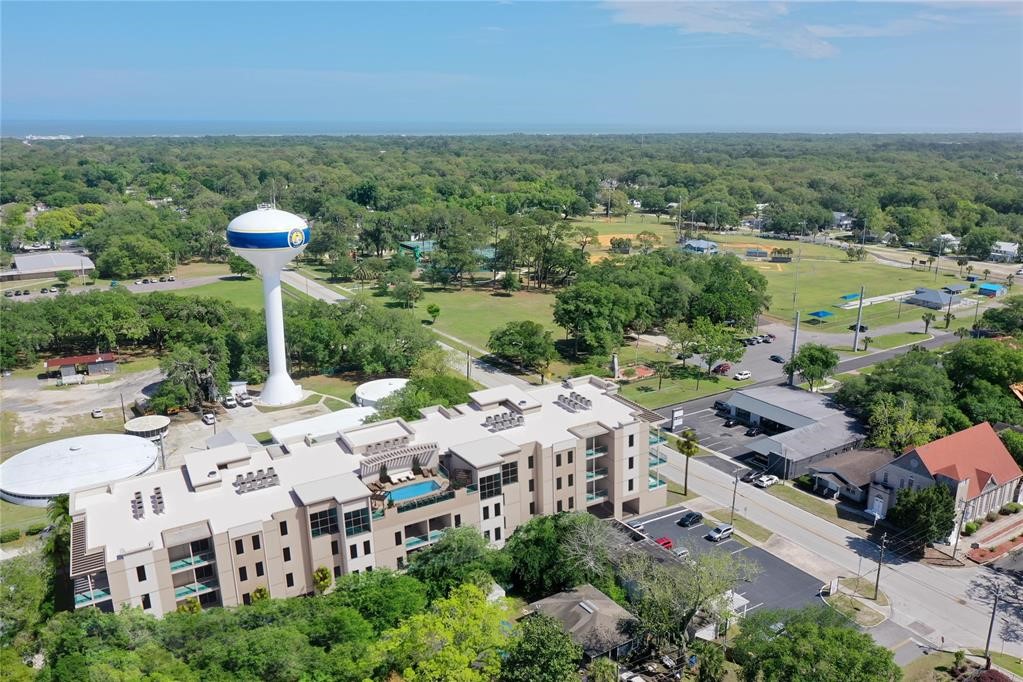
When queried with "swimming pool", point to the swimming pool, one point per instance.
{"points": [[407, 492]]}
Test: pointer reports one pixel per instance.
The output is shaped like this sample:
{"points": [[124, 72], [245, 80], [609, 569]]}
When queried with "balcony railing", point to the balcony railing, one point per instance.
{"points": [[97, 594], [420, 540], [596, 474], [657, 460], [472, 489], [655, 439], [194, 589], [597, 495], [656, 482], [200, 559], [426, 501], [379, 513], [598, 451]]}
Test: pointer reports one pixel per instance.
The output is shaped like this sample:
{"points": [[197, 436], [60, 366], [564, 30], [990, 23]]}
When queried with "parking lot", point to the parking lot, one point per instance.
{"points": [[777, 585], [712, 433]]}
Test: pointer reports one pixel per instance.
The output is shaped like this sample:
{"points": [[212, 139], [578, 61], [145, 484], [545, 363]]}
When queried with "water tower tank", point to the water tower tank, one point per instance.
{"points": [[269, 238]]}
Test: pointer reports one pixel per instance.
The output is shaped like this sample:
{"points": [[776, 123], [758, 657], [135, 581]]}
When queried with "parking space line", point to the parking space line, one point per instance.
{"points": [[666, 516], [741, 549]]}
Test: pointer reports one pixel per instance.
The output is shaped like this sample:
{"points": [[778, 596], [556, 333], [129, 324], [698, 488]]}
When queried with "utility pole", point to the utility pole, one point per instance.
{"points": [[468, 363], [735, 489], [685, 482], [124, 415], [959, 530], [859, 319], [795, 335], [880, 561], [680, 216], [991, 626]]}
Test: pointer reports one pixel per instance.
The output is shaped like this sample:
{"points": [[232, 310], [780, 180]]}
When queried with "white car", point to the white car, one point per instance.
{"points": [[681, 552], [743, 375], [209, 418], [766, 481], [97, 414], [244, 400], [230, 402]]}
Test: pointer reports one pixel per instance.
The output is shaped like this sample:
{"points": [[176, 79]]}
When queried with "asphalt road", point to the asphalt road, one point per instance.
{"points": [[777, 584]]}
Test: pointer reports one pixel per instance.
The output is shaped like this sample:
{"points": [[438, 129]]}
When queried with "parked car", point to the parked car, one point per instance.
{"points": [[244, 400], [97, 414], [113, 283], [209, 418], [766, 481], [742, 375], [138, 281], [681, 552], [689, 519], [230, 402], [777, 358], [720, 405], [754, 431], [163, 279], [665, 542], [769, 338], [8, 293], [863, 327], [25, 292], [723, 368], [750, 476], [635, 525], [170, 278], [44, 290], [729, 423], [146, 280], [720, 532]]}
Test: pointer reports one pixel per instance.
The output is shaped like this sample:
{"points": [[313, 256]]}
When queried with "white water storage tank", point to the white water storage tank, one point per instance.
{"points": [[372, 392], [149, 426], [38, 474]]}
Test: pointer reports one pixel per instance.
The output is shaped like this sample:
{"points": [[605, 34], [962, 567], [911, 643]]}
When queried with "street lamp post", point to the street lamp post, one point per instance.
{"points": [[735, 490]]}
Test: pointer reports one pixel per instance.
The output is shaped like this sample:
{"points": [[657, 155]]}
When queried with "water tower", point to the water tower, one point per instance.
{"points": [[269, 238]]}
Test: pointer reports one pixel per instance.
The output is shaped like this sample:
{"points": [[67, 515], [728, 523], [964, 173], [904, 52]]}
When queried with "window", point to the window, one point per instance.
{"points": [[246, 598], [557, 460], [401, 562], [532, 508], [632, 440], [357, 522], [146, 603], [559, 506], [490, 486], [243, 574], [335, 548], [289, 579], [885, 477], [571, 480], [140, 571], [902, 483], [497, 509], [486, 513], [571, 503], [486, 535], [571, 456], [509, 473], [284, 527], [497, 534], [910, 482], [557, 483], [323, 523], [529, 462], [259, 568], [458, 520], [632, 484], [530, 485], [255, 542], [337, 571], [632, 462], [239, 547], [353, 551], [287, 553], [365, 547], [397, 538]]}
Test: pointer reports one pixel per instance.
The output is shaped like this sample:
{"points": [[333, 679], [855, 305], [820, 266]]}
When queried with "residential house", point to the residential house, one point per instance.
{"points": [[848, 475], [1004, 252], [593, 620], [700, 246], [946, 243], [973, 463]]}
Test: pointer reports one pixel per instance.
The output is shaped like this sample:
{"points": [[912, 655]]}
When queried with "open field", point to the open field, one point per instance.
{"points": [[738, 242], [899, 339], [676, 390], [16, 434], [20, 517], [471, 314], [339, 387], [247, 293]]}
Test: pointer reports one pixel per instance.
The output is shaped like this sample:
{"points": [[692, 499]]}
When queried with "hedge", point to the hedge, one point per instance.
{"points": [[9, 535]]}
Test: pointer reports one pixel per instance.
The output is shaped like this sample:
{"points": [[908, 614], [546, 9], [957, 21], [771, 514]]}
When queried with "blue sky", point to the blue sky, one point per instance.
{"points": [[753, 66]]}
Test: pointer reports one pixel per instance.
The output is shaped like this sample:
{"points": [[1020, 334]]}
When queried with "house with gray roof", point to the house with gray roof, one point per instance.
{"points": [[934, 299], [848, 474], [40, 265], [700, 246], [593, 620]]}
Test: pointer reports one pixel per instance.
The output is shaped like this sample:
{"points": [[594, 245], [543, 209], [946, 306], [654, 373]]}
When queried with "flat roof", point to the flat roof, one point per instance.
{"points": [[56, 468], [379, 389], [810, 440], [786, 405], [28, 263], [341, 488], [322, 425], [485, 452], [149, 422]]}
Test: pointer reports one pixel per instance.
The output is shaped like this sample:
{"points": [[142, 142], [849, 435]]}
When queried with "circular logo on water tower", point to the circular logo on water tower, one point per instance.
{"points": [[296, 237]]}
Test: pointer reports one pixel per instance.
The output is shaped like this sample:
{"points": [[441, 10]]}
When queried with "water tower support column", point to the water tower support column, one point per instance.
{"points": [[279, 388]]}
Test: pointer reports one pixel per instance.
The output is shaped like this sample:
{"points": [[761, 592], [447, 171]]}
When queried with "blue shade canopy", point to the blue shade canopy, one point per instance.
{"points": [[821, 314], [850, 297]]}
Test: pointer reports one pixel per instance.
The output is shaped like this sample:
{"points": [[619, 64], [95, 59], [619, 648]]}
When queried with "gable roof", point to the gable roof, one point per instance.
{"points": [[591, 618], [976, 453]]}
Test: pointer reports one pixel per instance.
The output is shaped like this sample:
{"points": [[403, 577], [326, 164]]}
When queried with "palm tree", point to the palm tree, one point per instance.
{"points": [[689, 447], [969, 269], [986, 273], [961, 261], [949, 316], [362, 273], [1009, 280], [962, 332], [661, 368], [930, 261], [927, 318], [912, 263], [867, 340]]}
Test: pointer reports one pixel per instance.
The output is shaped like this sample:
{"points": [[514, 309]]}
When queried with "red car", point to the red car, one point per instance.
{"points": [[723, 368], [666, 543]]}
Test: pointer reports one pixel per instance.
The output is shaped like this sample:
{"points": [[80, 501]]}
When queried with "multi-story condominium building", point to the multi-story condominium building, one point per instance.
{"points": [[231, 520]]}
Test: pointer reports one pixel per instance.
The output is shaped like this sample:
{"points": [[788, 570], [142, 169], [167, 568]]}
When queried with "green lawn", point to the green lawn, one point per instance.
{"points": [[864, 587], [677, 390], [739, 242], [1010, 663], [15, 436], [854, 610], [471, 314], [821, 508], [310, 400], [900, 339], [20, 517], [247, 293], [930, 668], [675, 495], [336, 386], [742, 525]]}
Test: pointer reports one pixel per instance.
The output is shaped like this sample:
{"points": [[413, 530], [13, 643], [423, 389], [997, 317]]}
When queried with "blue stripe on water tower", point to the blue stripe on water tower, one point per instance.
{"points": [[268, 240]]}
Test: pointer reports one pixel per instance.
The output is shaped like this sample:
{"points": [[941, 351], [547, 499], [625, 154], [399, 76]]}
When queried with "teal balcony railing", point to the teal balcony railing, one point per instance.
{"points": [[656, 439], [426, 501], [657, 460], [420, 540], [597, 495], [472, 489], [656, 482], [598, 451], [596, 474], [195, 589], [90, 597], [200, 559], [379, 513]]}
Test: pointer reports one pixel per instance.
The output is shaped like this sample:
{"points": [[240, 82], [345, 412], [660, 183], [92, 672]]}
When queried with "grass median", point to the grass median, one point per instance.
{"points": [[822, 508], [742, 525]]}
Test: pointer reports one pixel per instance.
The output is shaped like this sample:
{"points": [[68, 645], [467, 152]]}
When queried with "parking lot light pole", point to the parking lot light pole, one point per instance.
{"points": [[735, 489]]}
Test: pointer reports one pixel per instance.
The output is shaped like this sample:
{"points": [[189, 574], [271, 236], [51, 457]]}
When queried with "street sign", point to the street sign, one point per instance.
{"points": [[677, 413]]}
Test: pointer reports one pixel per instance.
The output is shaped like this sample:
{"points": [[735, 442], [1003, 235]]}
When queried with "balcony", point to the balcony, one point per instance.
{"points": [[420, 540], [187, 562], [655, 439], [597, 495], [95, 595], [598, 451], [657, 460], [656, 482], [426, 501], [472, 489], [379, 513], [195, 589], [596, 474]]}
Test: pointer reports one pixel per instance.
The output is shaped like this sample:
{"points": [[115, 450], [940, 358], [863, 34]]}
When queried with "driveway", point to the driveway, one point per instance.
{"points": [[777, 585]]}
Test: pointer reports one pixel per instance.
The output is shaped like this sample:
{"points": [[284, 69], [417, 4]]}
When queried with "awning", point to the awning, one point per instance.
{"points": [[850, 297], [821, 314]]}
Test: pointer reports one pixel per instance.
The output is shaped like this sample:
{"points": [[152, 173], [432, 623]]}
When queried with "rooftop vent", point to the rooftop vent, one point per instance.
{"points": [[573, 402], [587, 606], [157, 500], [502, 421], [255, 480], [138, 508]]}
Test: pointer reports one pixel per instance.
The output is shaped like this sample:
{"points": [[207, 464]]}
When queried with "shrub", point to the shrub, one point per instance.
{"points": [[1013, 507], [959, 657], [35, 529], [9, 535], [805, 482], [991, 516], [970, 528]]}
